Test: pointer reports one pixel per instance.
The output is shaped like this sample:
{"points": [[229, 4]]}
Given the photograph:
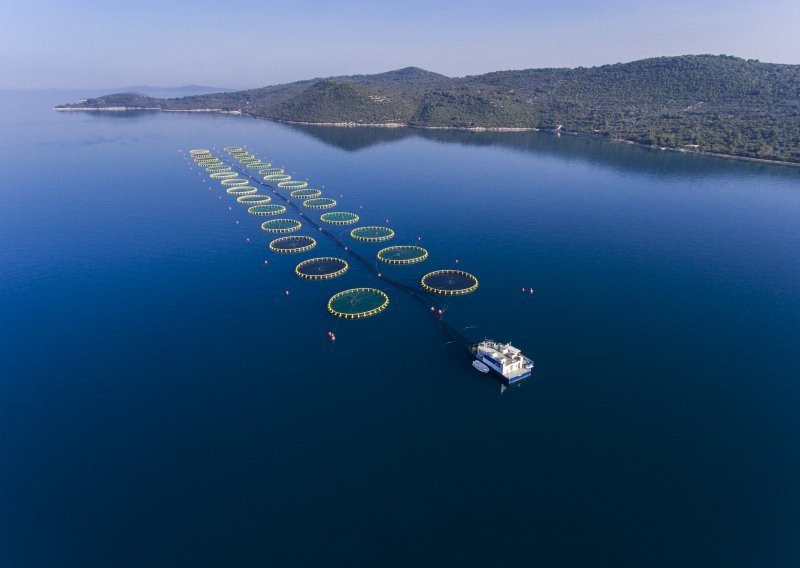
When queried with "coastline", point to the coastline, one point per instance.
{"points": [[463, 128]]}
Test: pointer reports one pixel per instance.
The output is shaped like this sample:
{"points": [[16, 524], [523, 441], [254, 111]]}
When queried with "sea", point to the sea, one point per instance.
{"points": [[170, 394]]}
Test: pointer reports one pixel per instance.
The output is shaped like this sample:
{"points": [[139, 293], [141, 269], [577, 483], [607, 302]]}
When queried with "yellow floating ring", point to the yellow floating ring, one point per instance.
{"points": [[319, 203], [277, 177], [305, 193], [339, 218], [296, 184], [292, 245], [223, 175], [445, 282], [372, 234], [321, 269], [253, 199], [281, 225], [266, 210], [241, 190], [385, 255], [234, 182], [349, 298]]}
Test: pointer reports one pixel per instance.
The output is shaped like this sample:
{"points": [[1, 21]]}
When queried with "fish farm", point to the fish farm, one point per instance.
{"points": [[353, 303]]}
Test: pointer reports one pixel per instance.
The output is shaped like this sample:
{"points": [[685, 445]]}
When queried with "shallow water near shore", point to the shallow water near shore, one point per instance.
{"points": [[163, 401]]}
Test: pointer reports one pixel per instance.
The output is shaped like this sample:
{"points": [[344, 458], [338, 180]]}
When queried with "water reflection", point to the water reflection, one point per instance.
{"points": [[616, 155]]}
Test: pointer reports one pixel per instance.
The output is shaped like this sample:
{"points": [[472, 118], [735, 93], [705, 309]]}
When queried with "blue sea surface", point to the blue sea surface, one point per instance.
{"points": [[164, 402]]}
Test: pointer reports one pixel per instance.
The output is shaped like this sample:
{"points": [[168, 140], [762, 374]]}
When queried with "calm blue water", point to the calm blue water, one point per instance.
{"points": [[164, 403]]}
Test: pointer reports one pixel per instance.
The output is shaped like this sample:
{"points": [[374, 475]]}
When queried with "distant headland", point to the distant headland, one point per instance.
{"points": [[713, 104]]}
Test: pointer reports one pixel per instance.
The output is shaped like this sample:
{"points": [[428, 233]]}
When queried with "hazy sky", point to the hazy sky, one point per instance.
{"points": [[244, 43]]}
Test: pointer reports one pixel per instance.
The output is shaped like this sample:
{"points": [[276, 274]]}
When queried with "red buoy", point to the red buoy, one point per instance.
{"points": [[523, 290]]}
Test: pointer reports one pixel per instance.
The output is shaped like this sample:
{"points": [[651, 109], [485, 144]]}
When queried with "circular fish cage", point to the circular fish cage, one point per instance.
{"points": [[218, 169], [372, 234], [253, 199], [296, 184], [319, 203], [243, 190], [358, 303], [281, 225], [402, 254], [293, 244], [339, 218], [305, 193], [449, 282], [323, 268], [230, 149], [256, 165], [199, 151], [223, 175], [266, 210], [234, 182], [209, 162], [277, 177], [269, 171]]}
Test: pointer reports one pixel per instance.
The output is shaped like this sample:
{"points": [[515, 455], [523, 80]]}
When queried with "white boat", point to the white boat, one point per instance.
{"points": [[504, 359], [482, 367]]}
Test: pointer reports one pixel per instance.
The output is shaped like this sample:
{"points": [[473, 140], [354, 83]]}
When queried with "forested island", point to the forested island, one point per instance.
{"points": [[703, 103]]}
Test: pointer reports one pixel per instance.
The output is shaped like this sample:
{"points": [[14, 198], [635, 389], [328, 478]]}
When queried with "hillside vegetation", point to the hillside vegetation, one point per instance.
{"points": [[699, 102]]}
